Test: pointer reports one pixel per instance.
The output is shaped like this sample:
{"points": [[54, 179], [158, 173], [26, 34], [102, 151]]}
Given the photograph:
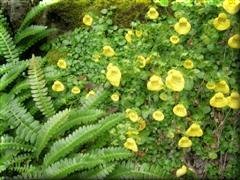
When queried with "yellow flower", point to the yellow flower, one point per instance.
{"points": [[182, 26], [184, 142], [108, 51], [62, 64], [163, 96], [181, 171], [188, 64], [231, 6], [152, 13], [194, 131], [87, 20], [58, 86], [222, 86], [180, 110], [221, 23], [75, 90], [234, 100], [131, 144], [158, 115], [234, 41], [175, 80], [132, 115], [174, 39], [96, 57], [113, 75], [91, 94], [210, 85], [142, 61], [132, 132], [155, 83], [115, 97], [218, 100], [138, 33], [128, 36], [141, 124]]}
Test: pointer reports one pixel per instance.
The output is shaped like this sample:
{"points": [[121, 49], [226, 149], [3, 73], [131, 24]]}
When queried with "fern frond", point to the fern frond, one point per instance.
{"points": [[94, 101], [8, 142], [29, 42], [18, 117], [3, 19], [7, 46], [130, 170], [29, 31], [11, 75], [49, 129], [79, 117], [20, 86], [36, 11], [100, 172], [79, 137], [38, 88], [4, 68], [67, 166]]}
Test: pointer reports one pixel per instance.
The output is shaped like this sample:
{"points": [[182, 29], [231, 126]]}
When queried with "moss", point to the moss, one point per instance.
{"points": [[54, 55], [69, 13]]}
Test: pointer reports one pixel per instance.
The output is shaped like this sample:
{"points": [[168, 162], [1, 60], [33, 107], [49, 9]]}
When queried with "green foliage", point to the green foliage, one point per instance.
{"points": [[39, 91], [86, 161]]}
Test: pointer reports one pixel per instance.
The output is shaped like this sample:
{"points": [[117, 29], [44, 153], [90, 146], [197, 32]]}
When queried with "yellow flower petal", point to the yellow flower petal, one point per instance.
{"points": [[184, 142], [152, 13], [131, 144], [181, 171], [87, 20], [234, 100], [182, 26], [141, 124], [138, 33], [210, 85], [115, 97], [221, 23], [218, 100], [180, 110], [175, 80], [194, 131], [91, 94], [231, 6], [128, 36], [62, 64], [142, 61], [132, 115], [188, 64], [108, 51], [174, 39], [234, 41], [155, 83], [113, 75], [158, 115], [222, 86], [58, 86], [75, 90]]}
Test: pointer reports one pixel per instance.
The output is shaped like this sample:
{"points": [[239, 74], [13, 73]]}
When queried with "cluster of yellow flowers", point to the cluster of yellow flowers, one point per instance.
{"points": [[219, 100], [58, 85], [130, 34], [221, 23]]}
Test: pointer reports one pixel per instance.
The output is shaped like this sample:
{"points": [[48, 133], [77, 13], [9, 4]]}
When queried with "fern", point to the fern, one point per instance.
{"points": [[29, 42], [38, 89], [94, 101], [49, 129], [7, 46], [9, 66], [11, 75], [100, 172], [18, 117], [35, 11], [67, 166], [28, 32], [80, 136], [130, 170], [8, 142]]}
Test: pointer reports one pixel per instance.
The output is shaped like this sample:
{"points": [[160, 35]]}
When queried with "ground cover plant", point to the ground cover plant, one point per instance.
{"points": [[158, 98]]}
